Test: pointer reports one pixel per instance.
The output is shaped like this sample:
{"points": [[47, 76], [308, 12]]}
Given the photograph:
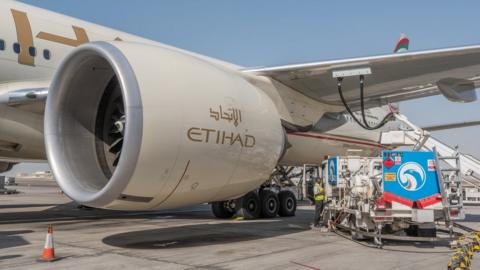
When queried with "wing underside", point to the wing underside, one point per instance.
{"points": [[454, 72]]}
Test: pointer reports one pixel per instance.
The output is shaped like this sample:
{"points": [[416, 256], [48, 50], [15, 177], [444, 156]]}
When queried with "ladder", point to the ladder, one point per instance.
{"points": [[451, 189]]}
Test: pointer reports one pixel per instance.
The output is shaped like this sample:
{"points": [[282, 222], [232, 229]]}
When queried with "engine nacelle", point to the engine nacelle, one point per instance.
{"points": [[132, 126]]}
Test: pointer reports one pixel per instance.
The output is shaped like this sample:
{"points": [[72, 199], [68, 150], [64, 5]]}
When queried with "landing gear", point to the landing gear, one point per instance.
{"points": [[224, 209], [265, 203], [288, 203], [274, 197]]}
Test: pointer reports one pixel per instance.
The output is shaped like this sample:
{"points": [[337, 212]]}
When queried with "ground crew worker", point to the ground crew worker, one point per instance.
{"points": [[319, 195]]}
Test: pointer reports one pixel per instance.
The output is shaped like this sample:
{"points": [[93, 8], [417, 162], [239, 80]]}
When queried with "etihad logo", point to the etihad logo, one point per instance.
{"points": [[232, 115], [207, 135], [222, 137]]}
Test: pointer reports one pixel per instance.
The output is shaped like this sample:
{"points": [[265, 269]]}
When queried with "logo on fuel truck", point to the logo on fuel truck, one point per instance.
{"points": [[411, 176]]}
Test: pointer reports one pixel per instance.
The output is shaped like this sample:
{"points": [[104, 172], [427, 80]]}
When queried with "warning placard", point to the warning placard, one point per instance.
{"points": [[431, 165], [390, 176]]}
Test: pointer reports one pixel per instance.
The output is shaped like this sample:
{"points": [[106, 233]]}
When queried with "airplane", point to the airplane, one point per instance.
{"points": [[129, 123]]}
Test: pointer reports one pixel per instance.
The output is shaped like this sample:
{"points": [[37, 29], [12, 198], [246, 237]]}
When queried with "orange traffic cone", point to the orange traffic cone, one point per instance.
{"points": [[49, 250]]}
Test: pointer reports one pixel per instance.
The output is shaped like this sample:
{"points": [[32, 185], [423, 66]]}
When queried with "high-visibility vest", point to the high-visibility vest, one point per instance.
{"points": [[318, 192]]}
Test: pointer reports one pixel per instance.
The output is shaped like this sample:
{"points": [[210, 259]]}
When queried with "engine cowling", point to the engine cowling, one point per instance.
{"points": [[132, 126]]}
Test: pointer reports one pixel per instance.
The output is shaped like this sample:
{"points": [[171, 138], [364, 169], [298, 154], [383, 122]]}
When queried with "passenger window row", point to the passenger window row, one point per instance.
{"points": [[32, 51]]}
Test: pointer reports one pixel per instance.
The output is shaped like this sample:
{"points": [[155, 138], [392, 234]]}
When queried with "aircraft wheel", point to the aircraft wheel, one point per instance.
{"points": [[222, 209], [270, 204], [250, 206], [288, 203]]}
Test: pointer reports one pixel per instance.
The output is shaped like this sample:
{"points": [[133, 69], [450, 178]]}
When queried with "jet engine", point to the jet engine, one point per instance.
{"points": [[132, 126]]}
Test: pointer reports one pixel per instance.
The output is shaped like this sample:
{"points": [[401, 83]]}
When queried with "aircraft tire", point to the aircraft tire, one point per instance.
{"points": [[250, 206], [221, 210], [288, 203], [269, 203]]}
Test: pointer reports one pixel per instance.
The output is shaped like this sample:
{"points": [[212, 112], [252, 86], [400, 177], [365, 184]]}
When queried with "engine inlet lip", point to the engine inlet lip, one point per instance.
{"points": [[66, 179]]}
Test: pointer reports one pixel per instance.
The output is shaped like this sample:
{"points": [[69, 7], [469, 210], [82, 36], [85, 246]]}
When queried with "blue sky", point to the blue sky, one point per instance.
{"points": [[269, 33]]}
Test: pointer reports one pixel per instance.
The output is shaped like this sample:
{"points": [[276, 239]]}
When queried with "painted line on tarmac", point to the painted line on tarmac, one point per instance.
{"points": [[304, 265]]}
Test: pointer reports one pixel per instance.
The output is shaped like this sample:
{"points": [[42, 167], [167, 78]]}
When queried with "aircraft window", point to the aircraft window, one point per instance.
{"points": [[32, 51], [16, 47], [2, 45], [46, 54]]}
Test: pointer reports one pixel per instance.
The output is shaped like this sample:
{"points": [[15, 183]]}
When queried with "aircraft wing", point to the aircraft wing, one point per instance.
{"points": [[453, 72], [452, 126]]}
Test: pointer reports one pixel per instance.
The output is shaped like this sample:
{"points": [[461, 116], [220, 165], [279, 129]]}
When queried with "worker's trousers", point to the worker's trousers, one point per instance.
{"points": [[318, 212]]}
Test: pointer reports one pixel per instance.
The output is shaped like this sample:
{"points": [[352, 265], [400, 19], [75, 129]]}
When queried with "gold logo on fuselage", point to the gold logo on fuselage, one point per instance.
{"points": [[80, 37], [25, 37]]}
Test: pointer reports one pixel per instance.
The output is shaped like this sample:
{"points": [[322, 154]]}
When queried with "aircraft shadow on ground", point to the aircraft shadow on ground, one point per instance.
{"points": [[205, 234], [69, 212], [7, 257], [9, 239], [11, 206]]}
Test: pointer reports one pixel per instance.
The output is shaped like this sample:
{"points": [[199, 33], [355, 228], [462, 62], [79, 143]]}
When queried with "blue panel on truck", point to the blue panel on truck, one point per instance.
{"points": [[410, 175], [332, 170]]}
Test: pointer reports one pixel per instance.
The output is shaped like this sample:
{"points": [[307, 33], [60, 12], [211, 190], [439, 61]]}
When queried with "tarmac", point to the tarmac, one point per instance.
{"points": [[188, 238]]}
